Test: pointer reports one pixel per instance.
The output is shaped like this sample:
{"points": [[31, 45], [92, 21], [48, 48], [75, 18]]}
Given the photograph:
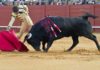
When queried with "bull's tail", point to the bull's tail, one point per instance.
{"points": [[87, 15]]}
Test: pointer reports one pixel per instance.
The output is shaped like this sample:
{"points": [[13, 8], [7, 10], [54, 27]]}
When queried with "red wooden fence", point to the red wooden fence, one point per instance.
{"points": [[37, 12]]}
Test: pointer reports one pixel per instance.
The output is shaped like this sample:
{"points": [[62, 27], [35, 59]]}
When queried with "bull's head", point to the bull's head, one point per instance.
{"points": [[33, 41]]}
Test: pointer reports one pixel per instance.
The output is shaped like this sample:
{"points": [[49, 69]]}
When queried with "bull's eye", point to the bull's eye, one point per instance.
{"points": [[29, 36]]}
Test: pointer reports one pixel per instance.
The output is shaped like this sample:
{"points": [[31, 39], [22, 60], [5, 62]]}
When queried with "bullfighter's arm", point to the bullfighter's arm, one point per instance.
{"points": [[11, 21]]}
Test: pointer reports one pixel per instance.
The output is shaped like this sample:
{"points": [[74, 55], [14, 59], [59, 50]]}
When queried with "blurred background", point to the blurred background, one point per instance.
{"points": [[48, 2], [40, 8]]}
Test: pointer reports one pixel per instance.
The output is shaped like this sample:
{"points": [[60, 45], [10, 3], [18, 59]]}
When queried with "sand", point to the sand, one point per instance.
{"points": [[84, 56]]}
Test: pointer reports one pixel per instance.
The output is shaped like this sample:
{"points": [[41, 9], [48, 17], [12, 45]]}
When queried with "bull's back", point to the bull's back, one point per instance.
{"points": [[70, 26]]}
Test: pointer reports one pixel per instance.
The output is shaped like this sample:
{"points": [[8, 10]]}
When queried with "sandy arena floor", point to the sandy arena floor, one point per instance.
{"points": [[83, 57]]}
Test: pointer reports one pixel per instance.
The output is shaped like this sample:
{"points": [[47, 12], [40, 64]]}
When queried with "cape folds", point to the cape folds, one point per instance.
{"points": [[9, 42]]}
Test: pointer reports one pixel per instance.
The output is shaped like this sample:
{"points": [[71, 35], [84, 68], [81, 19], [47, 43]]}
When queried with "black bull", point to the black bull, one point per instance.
{"points": [[69, 26]]}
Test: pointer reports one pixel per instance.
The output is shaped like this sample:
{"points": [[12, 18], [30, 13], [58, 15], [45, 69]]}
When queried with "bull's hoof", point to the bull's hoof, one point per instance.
{"points": [[45, 51], [37, 50], [98, 48], [67, 50]]}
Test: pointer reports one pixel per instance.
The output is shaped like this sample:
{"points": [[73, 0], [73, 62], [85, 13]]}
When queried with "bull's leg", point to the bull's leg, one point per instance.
{"points": [[48, 46], [43, 44], [93, 37], [75, 42]]}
